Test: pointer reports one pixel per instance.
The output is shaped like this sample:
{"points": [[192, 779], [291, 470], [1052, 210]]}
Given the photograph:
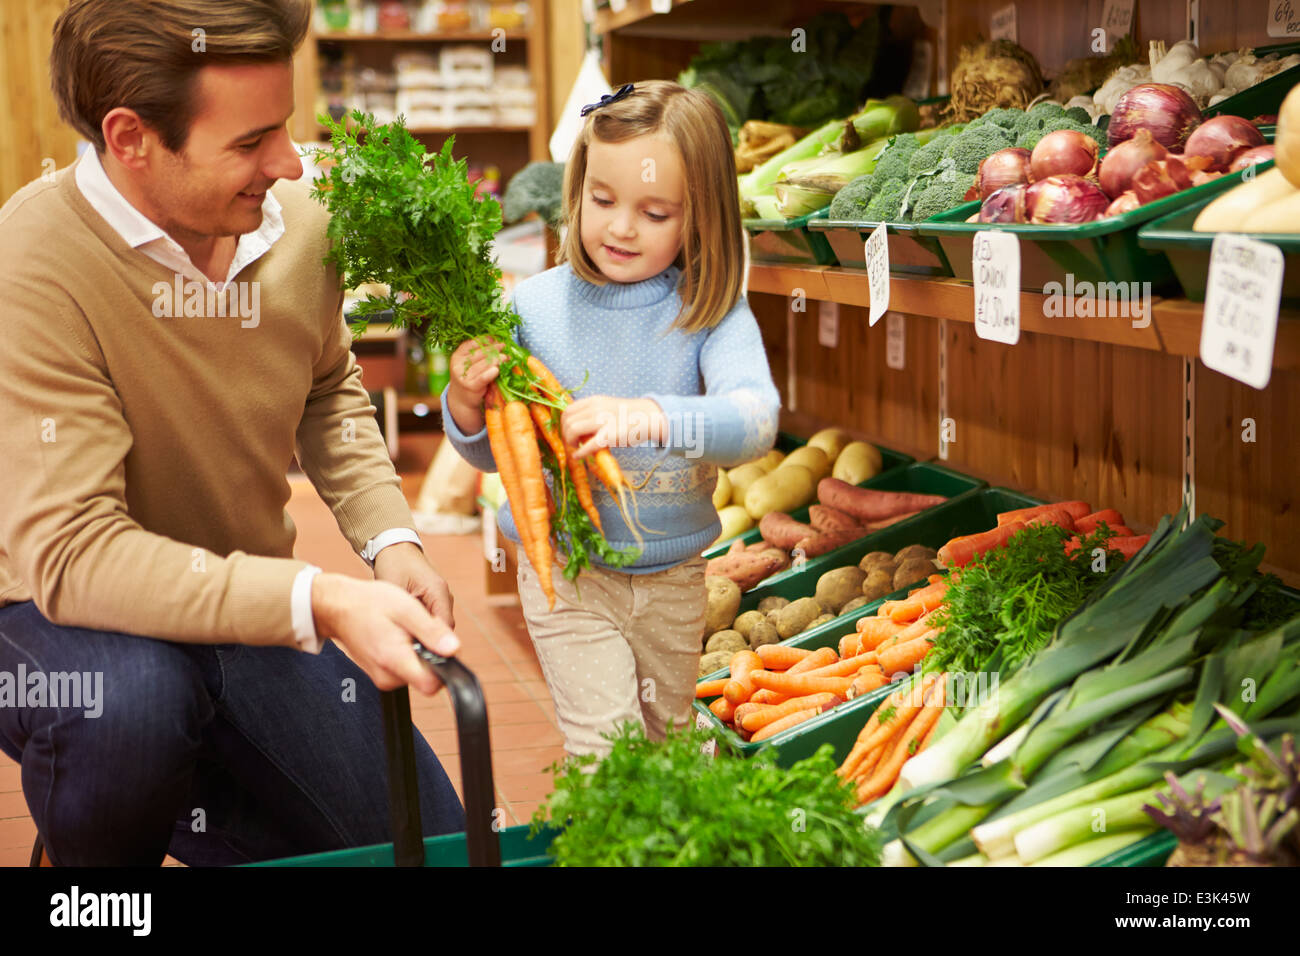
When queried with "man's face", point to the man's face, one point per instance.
{"points": [[237, 148]]}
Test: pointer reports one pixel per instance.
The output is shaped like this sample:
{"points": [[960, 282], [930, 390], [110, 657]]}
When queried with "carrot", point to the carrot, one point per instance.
{"points": [[845, 667], [768, 697], [778, 657], [1088, 523], [785, 723], [747, 709], [800, 684], [818, 658], [873, 630], [518, 426], [850, 644], [918, 602], [866, 765], [582, 486], [903, 657], [710, 688], [1129, 546], [868, 679], [886, 773], [1075, 509], [546, 427], [723, 709], [549, 382], [755, 720], [867, 504], [740, 687], [1053, 515], [507, 467], [902, 716], [959, 552]]}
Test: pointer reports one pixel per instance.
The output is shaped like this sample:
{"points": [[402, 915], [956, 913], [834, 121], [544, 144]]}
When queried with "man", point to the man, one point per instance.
{"points": [[173, 339]]}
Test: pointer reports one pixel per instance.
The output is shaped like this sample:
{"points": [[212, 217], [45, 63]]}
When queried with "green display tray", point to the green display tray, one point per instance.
{"points": [[788, 241], [909, 252], [890, 460], [920, 478], [449, 850], [1189, 251], [1152, 850], [1262, 99], [1106, 250]]}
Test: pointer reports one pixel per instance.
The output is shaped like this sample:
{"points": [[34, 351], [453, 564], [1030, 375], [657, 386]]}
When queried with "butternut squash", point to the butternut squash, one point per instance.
{"points": [[1230, 211]]}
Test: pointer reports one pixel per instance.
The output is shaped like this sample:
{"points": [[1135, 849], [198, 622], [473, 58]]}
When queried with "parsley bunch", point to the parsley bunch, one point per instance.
{"points": [[410, 219], [667, 804]]}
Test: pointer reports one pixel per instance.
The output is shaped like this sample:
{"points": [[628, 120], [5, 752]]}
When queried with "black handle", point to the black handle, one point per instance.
{"points": [[467, 700]]}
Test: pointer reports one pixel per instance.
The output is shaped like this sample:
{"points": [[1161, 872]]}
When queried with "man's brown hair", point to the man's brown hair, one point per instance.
{"points": [[712, 259], [146, 55]]}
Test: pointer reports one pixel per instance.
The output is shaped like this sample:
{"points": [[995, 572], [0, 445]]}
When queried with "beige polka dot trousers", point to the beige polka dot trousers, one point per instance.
{"points": [[617, 647]]}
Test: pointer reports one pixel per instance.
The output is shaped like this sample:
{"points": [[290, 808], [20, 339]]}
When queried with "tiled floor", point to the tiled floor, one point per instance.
{"points": [[525, 740]]}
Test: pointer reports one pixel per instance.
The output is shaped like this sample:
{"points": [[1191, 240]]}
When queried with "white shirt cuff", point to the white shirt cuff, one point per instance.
{"points": [[304, 622], [384, 539]]}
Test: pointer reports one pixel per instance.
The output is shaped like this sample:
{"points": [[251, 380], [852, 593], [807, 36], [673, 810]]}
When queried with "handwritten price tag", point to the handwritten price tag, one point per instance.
{"points": [[1002, 26], [878, 272], [895, 341], [710, 749], [995, 262], [1116, 18], [1283, 18], [1239, 327], [828, 324]]}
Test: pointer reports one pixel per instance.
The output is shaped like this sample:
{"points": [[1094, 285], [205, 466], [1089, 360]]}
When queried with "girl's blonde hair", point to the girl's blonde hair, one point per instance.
{"points": [[712, 258]]}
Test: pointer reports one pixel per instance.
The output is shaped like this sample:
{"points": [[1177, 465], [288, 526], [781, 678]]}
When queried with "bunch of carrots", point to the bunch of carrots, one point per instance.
{"points": [[899, 729], [1076, 516], [522, 413]]}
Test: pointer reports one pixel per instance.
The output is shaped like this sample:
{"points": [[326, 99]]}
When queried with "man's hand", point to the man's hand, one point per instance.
{"points": [[405, 565], [376, 621], [599, 421]]}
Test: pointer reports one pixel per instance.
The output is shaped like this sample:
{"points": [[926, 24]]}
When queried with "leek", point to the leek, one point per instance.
{"points": [[975, 859], [1085, 854]]}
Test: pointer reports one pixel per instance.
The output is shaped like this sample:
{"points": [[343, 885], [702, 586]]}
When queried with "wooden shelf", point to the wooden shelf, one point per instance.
{"points": [[408, 36], [1174, 329]]}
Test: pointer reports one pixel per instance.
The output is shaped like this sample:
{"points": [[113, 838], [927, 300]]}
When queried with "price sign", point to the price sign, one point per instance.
{"points": [[878, 272], [1117, 18], [1283, 18], [828, 324], [1239, 327], [1003, 24], [894, 341], [710, 749], [995, 262]]}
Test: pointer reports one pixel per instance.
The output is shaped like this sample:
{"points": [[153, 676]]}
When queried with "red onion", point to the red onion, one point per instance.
{"points": [[1125, 202], [1004, 205], [1066, 198], [1221, 139], [1161, 178], [1201, 177], [1249, 157], [1066, 151], [1003, 168], [1168, 112], [1120, 163]]}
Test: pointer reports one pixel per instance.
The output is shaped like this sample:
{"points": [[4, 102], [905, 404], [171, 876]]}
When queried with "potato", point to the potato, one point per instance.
{"points": [[772, 603], [819, 620], [724, 601], [857, 462], [785, 489], [853, 605], [741, 477], [830, 440], [876, 559], [722, 491], [878, 583], [716, 661], [794, 617], [745, 622], [814, 459], [770, 460], [727, 640], [762, 633], [836, 588], [735, 520], [910, 572], [915, 551]]}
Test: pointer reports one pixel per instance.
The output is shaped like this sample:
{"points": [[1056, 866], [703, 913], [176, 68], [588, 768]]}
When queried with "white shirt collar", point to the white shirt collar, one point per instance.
{"points": [[140, 232]]}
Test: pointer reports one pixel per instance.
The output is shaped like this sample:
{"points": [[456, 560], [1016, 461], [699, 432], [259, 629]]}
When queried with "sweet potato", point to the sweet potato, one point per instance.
{"points": [[779, 530], [826, 518], [868, 504], [824, 541], [747, 568]]}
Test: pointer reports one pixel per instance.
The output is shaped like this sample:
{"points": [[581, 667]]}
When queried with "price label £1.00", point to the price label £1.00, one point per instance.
{"points": [[995, 264]]}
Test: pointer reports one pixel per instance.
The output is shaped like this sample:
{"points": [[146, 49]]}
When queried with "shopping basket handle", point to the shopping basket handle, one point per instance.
{"points": [[482, 845]]}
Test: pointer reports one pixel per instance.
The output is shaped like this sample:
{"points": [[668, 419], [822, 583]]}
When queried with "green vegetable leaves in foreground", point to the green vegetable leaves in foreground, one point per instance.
{"points": [[411, 220], [667, 804]]}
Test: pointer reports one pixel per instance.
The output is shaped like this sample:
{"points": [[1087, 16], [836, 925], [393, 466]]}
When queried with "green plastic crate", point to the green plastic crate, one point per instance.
{"points": [[1103, 251], [788, 242], [920, 478], [1189, 251], [910, 253], [1152, 850], [890, 461], [517, 850]]}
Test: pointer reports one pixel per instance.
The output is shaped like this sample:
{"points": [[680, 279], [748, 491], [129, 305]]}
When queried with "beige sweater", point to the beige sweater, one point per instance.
{"points": [[143, 457]]}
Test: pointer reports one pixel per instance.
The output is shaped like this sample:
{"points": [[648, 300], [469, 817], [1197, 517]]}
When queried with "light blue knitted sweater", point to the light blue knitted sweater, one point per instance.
{"points": [[713, 386]]}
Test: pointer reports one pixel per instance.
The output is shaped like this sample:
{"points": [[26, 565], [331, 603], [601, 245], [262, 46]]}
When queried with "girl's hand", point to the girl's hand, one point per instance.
{"points": [[601, 421], [473, 367]]}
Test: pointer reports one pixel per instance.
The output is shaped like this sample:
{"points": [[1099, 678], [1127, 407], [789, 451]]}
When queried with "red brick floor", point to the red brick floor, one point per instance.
{"points": [[525, 739]]}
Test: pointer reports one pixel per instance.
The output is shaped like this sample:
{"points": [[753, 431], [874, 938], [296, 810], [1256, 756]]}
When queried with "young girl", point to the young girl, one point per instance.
{"points": [[646, 317]]}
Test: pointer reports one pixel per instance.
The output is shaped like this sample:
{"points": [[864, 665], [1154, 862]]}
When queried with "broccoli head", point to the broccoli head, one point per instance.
{"points": [[1029, 139], [539, 188], [928, 157], [1007, 119], [1046, 111], [851, 202], [1079, 115], [969, 149], [945, 191], [892, 163], [886, 202]]}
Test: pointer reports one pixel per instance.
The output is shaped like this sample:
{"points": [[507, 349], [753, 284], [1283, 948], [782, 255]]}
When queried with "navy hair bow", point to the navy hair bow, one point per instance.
{"points": [[608, 98]]}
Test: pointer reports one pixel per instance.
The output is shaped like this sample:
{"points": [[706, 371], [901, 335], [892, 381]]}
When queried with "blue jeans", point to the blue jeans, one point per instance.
{"points": [[218, 754]]}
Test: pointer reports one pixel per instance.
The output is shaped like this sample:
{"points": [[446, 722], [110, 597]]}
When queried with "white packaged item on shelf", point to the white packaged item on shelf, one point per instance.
{"points": [[467, 66], [476, 117], [511, 77], [425, 119], [467, 98], [409, 101], [421, 79], [515, 117], [516, 99]]}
